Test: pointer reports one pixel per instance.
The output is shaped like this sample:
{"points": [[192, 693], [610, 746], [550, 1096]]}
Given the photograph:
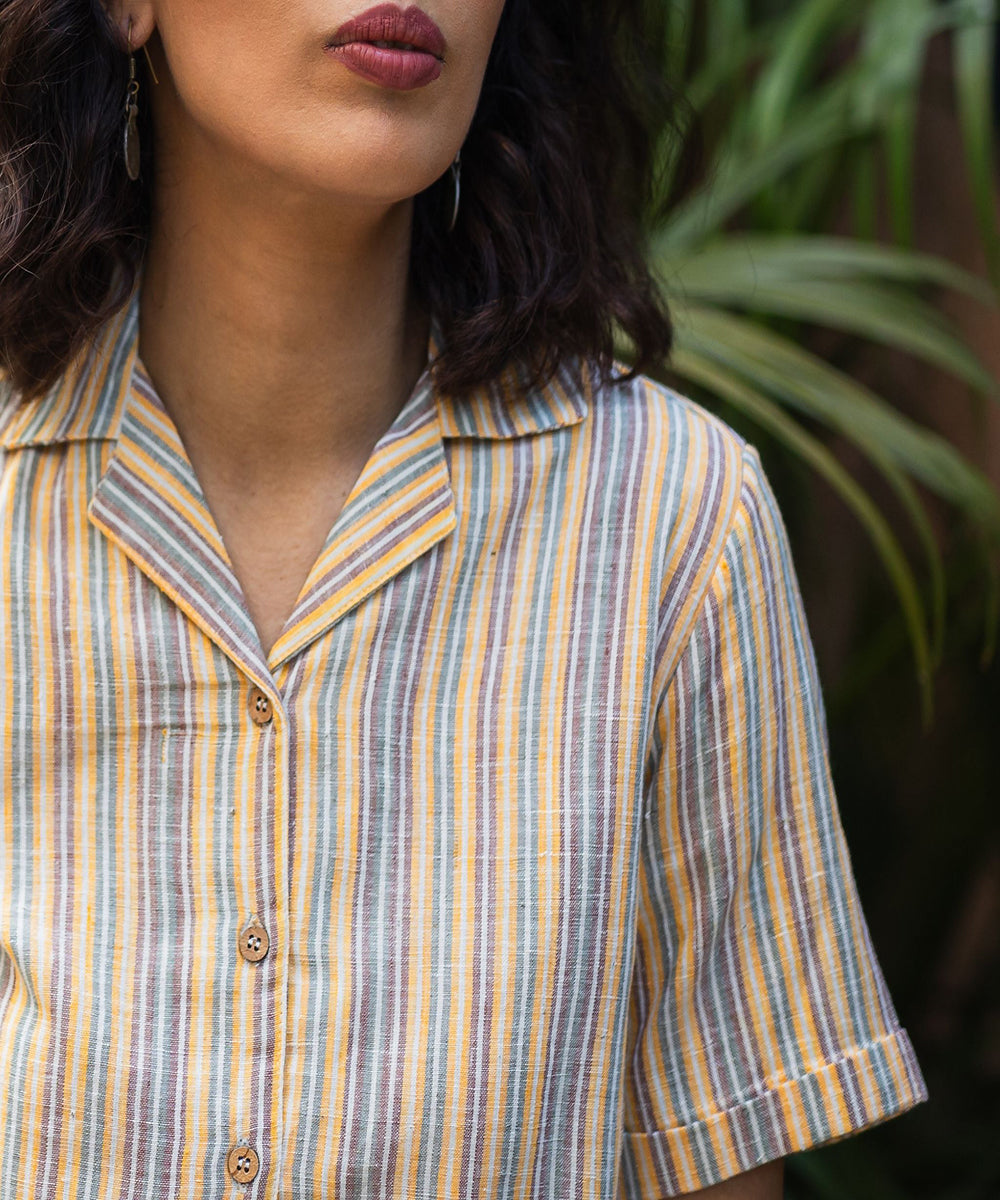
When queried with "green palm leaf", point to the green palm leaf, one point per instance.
{"points": [[876, 311], [770, 258], [973, 75]]}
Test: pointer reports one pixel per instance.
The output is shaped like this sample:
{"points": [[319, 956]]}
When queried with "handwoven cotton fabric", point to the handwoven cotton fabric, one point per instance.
{"points": [[542, 830]]}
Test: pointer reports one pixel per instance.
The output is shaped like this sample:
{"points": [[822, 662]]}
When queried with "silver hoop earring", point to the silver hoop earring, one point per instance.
{"points": [[456, 183]]}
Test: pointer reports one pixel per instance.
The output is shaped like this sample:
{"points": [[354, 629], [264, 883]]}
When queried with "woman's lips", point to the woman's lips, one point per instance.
{"points": [[413, 59]]}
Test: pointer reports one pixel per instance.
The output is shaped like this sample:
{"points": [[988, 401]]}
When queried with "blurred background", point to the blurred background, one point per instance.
{"points": [[834, 278]]}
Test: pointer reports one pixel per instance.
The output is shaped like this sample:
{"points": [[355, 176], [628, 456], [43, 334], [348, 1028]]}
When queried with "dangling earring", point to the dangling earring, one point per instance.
{"points": [[131, 145], [456, 183], [131, 112]]}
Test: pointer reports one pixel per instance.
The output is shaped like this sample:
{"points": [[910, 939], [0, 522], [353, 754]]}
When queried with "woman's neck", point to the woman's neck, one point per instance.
{"points": [[278, 329]]}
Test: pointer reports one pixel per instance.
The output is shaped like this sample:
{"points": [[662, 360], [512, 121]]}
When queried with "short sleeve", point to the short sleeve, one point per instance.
{"points": [[759, 1020]]}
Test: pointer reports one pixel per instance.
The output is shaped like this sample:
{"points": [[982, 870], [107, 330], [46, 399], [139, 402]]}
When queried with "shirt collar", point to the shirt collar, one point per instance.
{"points": [[87, 402]]}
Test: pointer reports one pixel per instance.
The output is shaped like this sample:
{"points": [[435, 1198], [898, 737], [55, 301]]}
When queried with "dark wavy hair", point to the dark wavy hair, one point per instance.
{"points": [[561, 179]]}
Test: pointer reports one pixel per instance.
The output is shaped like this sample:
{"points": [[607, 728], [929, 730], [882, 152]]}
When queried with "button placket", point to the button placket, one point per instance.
{"points": [[278, 788], [253, 943], [259, 841]]}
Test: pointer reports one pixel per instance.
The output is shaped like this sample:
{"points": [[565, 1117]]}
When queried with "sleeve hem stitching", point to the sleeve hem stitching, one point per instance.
{"points": [[898, 1048]]}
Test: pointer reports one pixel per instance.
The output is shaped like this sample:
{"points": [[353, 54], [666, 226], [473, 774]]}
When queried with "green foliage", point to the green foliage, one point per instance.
{"points": [[808, 106]]}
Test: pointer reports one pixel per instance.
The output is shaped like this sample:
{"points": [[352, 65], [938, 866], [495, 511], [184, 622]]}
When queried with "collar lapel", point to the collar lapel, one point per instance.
{"points": [[150, 504], [401, 505], [508, 407]]}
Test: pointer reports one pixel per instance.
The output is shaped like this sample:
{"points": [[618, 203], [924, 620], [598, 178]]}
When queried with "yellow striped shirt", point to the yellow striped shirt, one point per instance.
{"points": [[514, 869]]}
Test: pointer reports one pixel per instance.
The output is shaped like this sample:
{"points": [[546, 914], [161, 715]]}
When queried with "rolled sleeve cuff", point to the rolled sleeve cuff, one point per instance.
{"points": [[861, 1088]]}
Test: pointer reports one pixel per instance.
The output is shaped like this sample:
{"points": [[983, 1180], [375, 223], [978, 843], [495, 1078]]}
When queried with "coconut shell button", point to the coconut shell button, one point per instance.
{"points": [[260, 707], [254, 941], [243, 1163]]}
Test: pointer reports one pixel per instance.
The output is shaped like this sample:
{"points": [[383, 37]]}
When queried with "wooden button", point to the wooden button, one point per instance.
{"points": [[243, 1163], [254, 941], [260, 707]]}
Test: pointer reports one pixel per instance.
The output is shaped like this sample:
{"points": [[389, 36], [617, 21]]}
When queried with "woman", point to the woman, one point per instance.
{"points": [[414, 762]]}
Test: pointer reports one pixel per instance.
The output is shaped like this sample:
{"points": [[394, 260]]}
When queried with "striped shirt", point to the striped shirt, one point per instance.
{"points": [[513, 870]]}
